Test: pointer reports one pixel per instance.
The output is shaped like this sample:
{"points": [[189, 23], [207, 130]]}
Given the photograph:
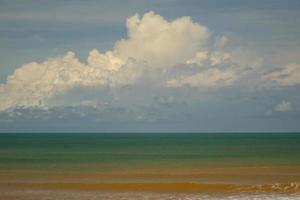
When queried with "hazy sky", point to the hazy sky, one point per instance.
{"points": [[172, 65]]}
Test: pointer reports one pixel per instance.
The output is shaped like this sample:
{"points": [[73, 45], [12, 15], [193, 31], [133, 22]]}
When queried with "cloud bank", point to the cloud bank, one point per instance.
{"points": [[164, 54]]}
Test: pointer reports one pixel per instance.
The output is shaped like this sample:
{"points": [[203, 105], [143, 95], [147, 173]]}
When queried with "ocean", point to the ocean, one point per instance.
{"points": [[150, 166]]}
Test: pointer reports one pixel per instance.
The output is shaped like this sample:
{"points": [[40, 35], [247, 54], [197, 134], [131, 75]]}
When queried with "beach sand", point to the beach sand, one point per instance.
{"points": [[156, 183]]}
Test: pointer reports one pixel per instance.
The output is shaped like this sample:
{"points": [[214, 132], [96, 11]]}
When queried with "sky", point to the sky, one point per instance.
{"points": [[150, 66]]}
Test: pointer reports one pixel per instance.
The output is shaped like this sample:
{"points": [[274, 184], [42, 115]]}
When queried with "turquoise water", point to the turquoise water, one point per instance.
{"points": [[81, 151]]}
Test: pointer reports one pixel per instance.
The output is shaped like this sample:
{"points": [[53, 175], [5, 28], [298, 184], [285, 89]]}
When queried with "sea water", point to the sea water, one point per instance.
{"points": [[150, 158]]}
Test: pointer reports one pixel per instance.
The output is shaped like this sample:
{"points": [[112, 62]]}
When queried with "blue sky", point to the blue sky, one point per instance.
{"points": [[215, 93]]}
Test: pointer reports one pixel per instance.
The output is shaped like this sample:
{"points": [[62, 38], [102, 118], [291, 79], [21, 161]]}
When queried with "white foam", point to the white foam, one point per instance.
{"points": [[97, 195]]}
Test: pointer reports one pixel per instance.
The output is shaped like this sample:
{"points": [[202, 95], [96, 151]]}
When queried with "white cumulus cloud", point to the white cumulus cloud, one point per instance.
{"points": [[34, 83], [283, 106], [161, 43], [166, 53], [152, 43]]}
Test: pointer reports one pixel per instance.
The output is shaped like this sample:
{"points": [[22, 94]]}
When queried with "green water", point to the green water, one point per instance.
{"points": [[75, 152]]}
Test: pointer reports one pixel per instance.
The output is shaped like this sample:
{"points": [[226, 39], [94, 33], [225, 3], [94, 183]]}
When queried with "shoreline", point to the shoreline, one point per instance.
{"points": [[180, 187]]}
